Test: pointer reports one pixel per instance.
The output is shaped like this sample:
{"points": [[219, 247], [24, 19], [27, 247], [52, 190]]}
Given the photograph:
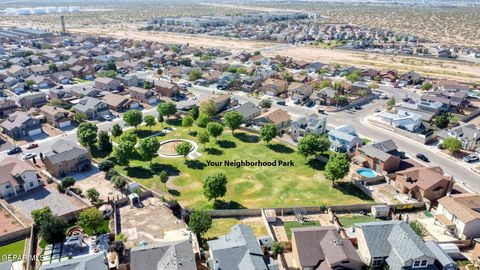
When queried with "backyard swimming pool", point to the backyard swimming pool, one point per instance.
{"points": [[368, 173]]}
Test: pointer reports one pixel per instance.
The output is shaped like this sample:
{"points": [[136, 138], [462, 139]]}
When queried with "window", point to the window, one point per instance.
{"points": [[7, 186], [377, 261], [420, 264], [31, 184]]}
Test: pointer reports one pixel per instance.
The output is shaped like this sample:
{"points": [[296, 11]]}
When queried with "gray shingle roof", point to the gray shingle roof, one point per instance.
{"points": [[176, 255], [63, 150], [237, 250], [89, 262]]}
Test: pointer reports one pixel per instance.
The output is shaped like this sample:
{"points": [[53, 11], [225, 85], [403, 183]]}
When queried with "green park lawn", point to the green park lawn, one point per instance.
{"points": [[248, 187], [15, 248]]}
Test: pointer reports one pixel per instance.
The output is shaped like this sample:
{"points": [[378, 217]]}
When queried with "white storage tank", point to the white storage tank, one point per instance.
{"points": [[75, 9], [51, 9], [11, 11], [24, 11], [39, 10], [63, 9]]}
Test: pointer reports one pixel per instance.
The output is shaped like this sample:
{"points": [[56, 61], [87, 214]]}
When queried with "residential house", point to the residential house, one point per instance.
{"points": [[323, 248], [63, 77], [381, 156], [7, 106], [39, 81], [166, 88], [83, 91], [422, 183], [313, 123], [18, 176], [107, 84], [327, 96], [56, 116], [21, 124], [393, 244], [18, 72], [412, 77], [461, 212], [238, 250], [277, 117], [402, 119], [300, 91], [251, 83], [212, 76], [39, 70], [428, 110], [443, 261], [344, 139], [120, 103], [66, 157], [370, 74], [95, 261], [360, 88], [468, 134], [221, 102], [128, 80], [92, 107], [165, 255], [249, 111], [143, 95], [274, 87], [33, 100]]}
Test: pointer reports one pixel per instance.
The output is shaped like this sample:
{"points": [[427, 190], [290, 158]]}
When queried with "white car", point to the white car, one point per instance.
{"points": [[28, 156], [376, 110], [107, 117]]}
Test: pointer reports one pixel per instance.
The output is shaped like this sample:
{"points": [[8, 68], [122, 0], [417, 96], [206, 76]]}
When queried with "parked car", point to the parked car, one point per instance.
{"points": [[31, 146], [281, 102], [14, 150], [28, 156], [107, 117], [471, 158], [383, 96], [60, 87], [376, 110], [422, 157], [357, 107]]}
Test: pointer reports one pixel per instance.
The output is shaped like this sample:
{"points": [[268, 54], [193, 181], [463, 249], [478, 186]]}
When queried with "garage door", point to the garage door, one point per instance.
{"points": [[34, 132], [65, 124], [152, 101], [134, 105]]}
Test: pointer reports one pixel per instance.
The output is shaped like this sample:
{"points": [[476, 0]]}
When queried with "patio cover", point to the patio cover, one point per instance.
{"points": [[444, 220]]}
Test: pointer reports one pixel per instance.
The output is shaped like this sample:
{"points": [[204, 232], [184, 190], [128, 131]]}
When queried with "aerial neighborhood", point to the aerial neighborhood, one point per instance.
{"points": [[122, 153]]}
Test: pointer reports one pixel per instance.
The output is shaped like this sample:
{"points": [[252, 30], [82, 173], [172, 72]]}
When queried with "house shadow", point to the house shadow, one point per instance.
{"points": [[280, 148], [37, 194], [247, 138], [217, 204], [350, 189], [316, 164], [226, 144], [174, 192], [195, 164], [214, 151], [139, 172]]}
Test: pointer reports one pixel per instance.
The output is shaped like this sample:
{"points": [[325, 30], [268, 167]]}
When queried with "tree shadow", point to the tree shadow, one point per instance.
{"points": [[350, 189], [174, 192], [171, 170], [214, 151], [217, 204], [316, 164], [195, 164], [174, 122], [226, 144], [139, 172], [247, 138], [280, 148], [96, 153]]}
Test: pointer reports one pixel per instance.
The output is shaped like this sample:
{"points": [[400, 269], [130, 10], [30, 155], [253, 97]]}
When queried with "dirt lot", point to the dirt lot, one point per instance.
{"points": [[148, 223], [7, 223], [97, 181], [457, 70]]}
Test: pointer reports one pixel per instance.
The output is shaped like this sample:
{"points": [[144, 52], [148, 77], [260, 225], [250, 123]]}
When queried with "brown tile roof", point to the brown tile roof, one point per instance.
{"points": [[11, 168], [276, 116], [465, 206], [115, 100], [423, 177]]}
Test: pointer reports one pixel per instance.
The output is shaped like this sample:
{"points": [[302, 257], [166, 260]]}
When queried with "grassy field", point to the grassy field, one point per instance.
{"points": [[12, 249], [350, 220], [222, 226], [248, 187], [101, 229], [289, 225]]}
